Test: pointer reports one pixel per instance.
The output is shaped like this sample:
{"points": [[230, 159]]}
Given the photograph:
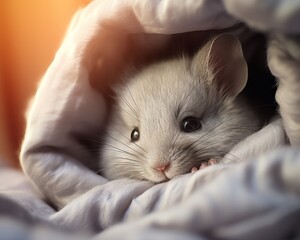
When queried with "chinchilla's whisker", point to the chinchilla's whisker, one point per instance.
{"points": [[231, 154], [198, 141], [133, 116], [125, 158], [130, 107], [203, 136], [92, 140], [122, 169], [114, 148], [141, 154], [218, 153], [175, 139], [135, 103]]}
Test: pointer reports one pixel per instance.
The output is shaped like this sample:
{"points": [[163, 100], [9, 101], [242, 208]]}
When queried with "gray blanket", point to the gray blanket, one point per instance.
{"points": [[61, 197], [257, 199]]}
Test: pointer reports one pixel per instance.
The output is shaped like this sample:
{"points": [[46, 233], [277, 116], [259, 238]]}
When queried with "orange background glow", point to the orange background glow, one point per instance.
{"points": [[30, 33]]}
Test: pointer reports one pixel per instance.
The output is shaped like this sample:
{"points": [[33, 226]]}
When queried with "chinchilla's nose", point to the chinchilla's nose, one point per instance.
{"points": [[161, 167]]}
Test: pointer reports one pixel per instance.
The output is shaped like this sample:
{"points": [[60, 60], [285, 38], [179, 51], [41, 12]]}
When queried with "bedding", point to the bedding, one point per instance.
{"points": [[60, 195]]}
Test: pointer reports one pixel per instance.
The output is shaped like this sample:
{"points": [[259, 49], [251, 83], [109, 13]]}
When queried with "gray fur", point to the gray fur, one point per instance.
{"points": [[156, 99]]}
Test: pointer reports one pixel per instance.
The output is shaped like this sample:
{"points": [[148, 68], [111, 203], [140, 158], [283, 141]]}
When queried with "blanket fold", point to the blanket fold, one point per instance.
{"points": [[284, 62], [233, 200], [249, 200]]}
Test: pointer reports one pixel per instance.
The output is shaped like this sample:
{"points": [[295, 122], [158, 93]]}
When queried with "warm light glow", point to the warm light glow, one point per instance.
{"points": [[30, 33]]}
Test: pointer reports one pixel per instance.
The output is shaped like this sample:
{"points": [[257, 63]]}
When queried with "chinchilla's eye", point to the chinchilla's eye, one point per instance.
{"points": [[135, 135], [190, 124]]}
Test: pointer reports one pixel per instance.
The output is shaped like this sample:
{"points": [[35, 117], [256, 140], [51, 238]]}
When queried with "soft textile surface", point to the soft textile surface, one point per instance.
{"points": [[250, 199], [256, 199]]}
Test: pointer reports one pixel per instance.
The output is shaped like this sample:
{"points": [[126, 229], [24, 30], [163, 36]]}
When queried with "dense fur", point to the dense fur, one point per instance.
{"points": [[156, 100]]}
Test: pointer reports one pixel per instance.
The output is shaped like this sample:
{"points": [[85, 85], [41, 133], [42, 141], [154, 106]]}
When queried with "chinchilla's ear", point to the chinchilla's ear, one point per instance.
{"points": [[225, 65]]}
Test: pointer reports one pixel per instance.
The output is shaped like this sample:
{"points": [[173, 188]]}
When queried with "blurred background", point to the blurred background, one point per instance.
{"points": [[30, 33]]}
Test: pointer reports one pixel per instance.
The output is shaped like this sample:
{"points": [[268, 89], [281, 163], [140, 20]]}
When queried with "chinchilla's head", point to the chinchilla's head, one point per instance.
{"points": [[173, 115]]}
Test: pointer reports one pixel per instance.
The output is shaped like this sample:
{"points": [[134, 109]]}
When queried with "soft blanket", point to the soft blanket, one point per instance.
{"points": [[255, 198]]}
